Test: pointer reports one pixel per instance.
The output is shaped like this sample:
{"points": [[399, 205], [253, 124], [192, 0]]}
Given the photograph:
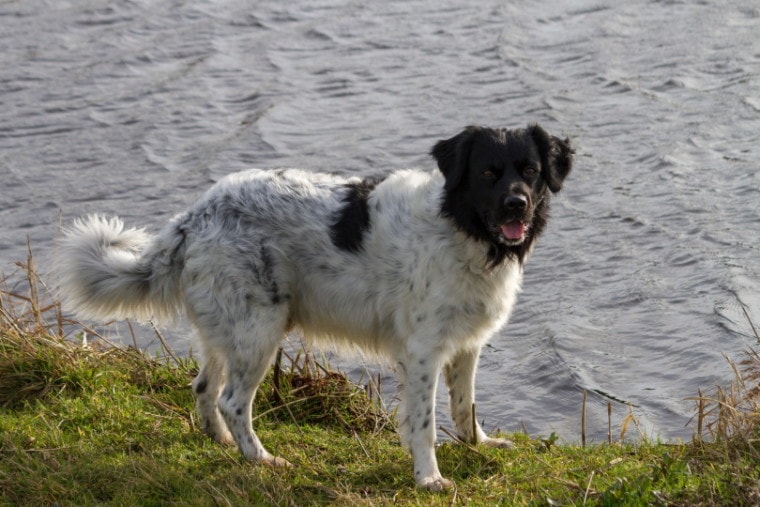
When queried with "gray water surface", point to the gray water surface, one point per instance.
{"points": [[635, 292]]}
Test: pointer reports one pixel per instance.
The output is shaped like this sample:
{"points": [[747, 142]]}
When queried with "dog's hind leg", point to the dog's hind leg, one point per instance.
{"points": [[207, 386], [253, 349], [460, 378], [235, 291]]}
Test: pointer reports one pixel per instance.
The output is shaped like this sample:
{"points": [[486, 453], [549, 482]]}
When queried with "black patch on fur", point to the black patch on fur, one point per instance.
{"points": [[268, 279], [347, 232], [201, 387], [263, 270]]}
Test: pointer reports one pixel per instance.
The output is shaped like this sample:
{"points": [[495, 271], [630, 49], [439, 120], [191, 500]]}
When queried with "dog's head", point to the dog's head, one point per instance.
{"points": [[498, 183]]}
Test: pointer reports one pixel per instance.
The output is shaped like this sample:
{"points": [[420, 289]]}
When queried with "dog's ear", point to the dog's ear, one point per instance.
{"points": [[453, 156], [556, 157]]}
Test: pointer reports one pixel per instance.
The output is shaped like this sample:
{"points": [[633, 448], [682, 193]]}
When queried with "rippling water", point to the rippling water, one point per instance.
{"points": [[636, 290]]}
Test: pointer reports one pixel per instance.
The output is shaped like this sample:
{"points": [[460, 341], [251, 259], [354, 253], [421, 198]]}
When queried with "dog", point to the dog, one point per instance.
{"points": [[419, 267]]}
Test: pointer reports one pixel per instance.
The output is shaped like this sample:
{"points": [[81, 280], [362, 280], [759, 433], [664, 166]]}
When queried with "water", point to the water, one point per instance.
{"points": [[635, 293]]}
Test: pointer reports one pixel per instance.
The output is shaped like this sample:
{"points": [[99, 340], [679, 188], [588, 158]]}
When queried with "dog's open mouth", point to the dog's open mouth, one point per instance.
{"points": [[512, 233]]}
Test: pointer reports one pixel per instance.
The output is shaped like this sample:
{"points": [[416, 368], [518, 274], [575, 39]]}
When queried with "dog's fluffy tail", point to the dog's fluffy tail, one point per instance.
{"points": [[108, 272]]}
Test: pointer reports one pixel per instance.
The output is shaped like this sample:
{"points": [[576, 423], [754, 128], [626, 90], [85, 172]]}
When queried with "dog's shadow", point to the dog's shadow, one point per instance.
{"points": [[457, 462], [462, 462]]}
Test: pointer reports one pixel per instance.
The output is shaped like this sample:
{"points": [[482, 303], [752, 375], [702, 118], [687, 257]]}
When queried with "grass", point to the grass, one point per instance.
{"points": [[93, 424]]}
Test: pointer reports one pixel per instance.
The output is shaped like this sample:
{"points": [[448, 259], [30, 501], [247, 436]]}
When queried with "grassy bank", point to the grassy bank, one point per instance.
{"points": [[92, 424]]}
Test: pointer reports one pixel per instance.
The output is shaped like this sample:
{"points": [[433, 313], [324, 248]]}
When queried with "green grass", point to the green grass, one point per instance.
{"points": [[112, 426]]}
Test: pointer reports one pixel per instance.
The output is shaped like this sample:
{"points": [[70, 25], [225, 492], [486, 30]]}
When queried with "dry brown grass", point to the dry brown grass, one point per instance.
{"points": [[43, 352], [728, 434], [732, 414], [736, 409]]}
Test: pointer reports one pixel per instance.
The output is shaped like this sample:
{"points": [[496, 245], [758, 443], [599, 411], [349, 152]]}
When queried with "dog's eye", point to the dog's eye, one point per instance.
{"points": [[489, 174], [530, 171]]}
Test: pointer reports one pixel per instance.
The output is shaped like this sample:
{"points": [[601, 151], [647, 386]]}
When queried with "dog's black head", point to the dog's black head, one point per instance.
{"points": [[498, 182]]}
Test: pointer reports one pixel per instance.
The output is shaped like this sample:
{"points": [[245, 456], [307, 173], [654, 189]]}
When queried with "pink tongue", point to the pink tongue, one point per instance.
{"points": [[513, 230]]}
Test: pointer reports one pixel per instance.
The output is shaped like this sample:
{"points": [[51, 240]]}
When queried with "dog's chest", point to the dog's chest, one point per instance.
{"points": [[488, 297], [461, 308]]}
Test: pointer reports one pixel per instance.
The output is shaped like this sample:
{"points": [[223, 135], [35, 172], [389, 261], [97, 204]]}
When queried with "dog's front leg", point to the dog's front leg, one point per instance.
{"points": [[418, 377], [460, 377]]}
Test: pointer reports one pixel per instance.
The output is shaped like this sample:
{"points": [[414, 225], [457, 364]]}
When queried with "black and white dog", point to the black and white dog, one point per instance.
{"points": [[418, 267]]}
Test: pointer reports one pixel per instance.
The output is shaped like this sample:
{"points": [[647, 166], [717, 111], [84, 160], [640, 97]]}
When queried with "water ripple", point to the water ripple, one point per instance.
{"points": [[640, 283]]}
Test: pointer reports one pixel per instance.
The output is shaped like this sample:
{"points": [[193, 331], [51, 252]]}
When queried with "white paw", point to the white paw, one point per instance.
{"points": [[220, 436], [499, 443], [275, 462], [224, 438], [436, 483]]}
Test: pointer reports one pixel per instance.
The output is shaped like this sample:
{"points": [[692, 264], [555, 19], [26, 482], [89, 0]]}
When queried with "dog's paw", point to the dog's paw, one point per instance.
{"points": [[275, 462], [223, 438], [436, 483], [216, 430], [499, 443]]}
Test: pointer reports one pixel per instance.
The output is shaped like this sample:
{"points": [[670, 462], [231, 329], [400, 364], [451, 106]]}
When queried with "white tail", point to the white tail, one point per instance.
{"points": [[108, 272]]}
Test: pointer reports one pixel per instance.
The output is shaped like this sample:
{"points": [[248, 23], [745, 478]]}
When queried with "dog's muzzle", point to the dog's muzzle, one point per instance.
{"points": [[512, 228]]}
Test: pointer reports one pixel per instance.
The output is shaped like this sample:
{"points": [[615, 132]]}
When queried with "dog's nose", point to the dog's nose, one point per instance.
{"points": [[515, 203]]}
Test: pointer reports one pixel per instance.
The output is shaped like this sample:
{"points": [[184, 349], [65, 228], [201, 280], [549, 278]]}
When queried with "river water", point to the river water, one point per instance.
{"points": [[635, 292]]}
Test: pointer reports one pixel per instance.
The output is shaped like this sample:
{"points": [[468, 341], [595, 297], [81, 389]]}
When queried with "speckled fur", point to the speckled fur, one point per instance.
{"points": [[254, 258]]}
